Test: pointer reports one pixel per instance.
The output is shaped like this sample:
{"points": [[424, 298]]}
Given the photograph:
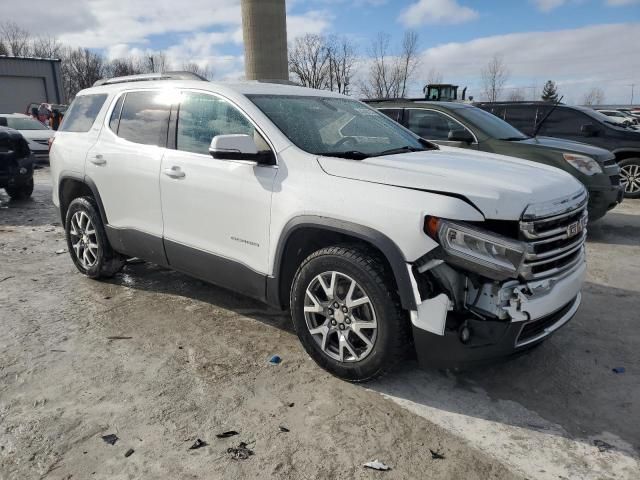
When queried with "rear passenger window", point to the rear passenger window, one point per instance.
{"points": [[144, 118], [201, 117], [82, 113], [563, 121], [431, 125]]}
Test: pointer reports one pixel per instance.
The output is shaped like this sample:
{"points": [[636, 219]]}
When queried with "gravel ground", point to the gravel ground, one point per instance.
{"points": [[193, 363]]}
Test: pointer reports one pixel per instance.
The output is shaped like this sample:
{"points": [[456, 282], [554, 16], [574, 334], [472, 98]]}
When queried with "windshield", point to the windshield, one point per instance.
{"points": [[24, 124], [336, 126], [490, 124]]}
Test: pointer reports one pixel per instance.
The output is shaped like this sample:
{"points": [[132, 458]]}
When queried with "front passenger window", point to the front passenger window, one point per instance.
{"points": [[202, 117], [431, 125]]}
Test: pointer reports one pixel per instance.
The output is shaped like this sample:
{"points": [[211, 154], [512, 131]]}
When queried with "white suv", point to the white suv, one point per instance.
{"points": [[309, 200]]}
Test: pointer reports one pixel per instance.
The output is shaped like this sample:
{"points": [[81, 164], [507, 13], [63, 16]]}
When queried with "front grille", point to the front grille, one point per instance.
{"points": [[555, 233], [537, 327], [42, 142]]}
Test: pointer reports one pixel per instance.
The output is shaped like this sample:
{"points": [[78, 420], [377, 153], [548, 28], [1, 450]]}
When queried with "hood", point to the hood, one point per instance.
{"points": [[568, 146], [500, 187]]}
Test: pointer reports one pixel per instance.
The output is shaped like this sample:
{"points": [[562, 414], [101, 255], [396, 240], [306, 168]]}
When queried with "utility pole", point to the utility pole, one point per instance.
{"points": [[632, 87]]}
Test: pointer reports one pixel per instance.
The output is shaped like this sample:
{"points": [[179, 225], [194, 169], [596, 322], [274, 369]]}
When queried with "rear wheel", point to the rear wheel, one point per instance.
{"points": [[630, 173], [347, 315], [22, 192], [87, 241]]}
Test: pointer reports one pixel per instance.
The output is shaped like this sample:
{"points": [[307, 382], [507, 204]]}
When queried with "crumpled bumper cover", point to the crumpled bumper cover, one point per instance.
{"points": [[537, 310]]}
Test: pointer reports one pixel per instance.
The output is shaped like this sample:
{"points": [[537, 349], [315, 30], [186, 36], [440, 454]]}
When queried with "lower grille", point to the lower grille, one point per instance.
{"points": [[555, 233], [537, 327]]}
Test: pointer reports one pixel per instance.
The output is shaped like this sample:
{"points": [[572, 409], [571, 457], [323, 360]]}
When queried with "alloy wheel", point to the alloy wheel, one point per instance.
{"points": [[340, 317], [631, 178], [84, 239]]}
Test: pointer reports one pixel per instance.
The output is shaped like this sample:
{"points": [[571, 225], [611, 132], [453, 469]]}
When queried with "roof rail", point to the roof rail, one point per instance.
{"points": [[143, 77], [400, 99]]}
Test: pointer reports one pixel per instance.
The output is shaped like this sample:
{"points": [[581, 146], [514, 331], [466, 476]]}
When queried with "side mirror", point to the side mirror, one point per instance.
{"points": [[239, 147], [460, 135], [589, 130]]}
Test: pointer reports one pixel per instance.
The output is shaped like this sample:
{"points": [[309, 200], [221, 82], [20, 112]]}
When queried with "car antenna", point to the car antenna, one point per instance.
{"points": [[539, 124]]}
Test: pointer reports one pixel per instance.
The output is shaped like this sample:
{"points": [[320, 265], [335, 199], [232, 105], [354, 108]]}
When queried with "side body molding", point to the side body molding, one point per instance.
{"points": [[389, 249]]}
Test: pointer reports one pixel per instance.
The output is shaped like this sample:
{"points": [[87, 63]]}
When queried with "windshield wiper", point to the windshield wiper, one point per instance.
{"points": [[350, 154], [393, 151]]}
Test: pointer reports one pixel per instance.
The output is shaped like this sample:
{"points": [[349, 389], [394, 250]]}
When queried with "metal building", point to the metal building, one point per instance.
{"points": [[25, 80], [264, 27]]}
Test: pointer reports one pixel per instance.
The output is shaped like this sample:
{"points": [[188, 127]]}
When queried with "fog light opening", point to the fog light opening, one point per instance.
{"points": [[465, 333]]}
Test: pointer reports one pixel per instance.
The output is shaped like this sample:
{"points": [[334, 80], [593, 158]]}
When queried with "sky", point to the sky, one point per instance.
{"points": [[580, 44]]}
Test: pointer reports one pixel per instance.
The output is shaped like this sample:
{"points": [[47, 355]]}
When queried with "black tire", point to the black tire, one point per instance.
{"points": [[393, 338], [107, 262], [630, 172], [22, 192]]}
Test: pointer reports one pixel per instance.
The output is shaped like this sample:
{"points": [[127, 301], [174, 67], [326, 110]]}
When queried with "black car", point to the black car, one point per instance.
{"points": [[462, 125], [16, 164], [580, 124]]}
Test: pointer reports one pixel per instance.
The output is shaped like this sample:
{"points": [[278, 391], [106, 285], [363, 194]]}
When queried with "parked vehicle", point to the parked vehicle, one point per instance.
{"points": [[581, 125], [313, 201], [619, 117], [36, 134], [466, 126], [16, 164]]}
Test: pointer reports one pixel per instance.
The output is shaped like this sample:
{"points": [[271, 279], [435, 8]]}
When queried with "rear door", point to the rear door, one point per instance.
{"points": [[567, 123], [125, 167]]}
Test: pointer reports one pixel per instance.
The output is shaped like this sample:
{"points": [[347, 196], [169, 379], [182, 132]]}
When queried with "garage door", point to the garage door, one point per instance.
{"points": [[17, 92]]}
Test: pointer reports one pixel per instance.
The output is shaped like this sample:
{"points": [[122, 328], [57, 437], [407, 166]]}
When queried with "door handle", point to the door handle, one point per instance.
{"points": [[97, 159], [174, 172]]}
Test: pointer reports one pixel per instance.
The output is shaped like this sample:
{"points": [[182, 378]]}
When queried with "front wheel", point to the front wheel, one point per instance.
{"points": [[630, 173], [87, 240], [347, 315], [22, 192]]}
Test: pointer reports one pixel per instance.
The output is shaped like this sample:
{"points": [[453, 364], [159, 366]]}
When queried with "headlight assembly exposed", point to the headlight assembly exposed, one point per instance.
{"points": [[582, 163], [476, 249]]}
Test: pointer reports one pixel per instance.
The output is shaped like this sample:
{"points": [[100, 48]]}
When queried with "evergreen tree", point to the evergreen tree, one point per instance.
{"points": [[550, 92]]}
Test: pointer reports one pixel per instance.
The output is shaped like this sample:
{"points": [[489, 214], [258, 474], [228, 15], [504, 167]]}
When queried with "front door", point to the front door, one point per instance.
{"points": [[216, 212]]}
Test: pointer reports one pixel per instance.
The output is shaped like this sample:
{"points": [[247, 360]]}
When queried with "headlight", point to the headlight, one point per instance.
{"points": [[470, 247], [584, 164]]}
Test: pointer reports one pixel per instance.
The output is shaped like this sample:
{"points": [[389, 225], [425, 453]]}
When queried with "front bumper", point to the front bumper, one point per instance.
{"points": [[524, 314], [603, 199], [10, 175]]}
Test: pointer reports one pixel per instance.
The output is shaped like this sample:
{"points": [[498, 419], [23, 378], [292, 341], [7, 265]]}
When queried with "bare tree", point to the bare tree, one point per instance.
{"points": [[342, 59], [516, 95], [595, 96], [156, 63], [434, 76], [3, 48], [408, 61], [389, 75], [80, 69], [205, 72], [494, 76], [16, 39], [309, 61], [121, 67], [46, 47]]}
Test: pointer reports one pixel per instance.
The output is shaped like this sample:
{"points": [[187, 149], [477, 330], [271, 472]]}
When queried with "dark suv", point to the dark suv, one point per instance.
{"points": [[582, 125], [463, 125], [16, 164]]}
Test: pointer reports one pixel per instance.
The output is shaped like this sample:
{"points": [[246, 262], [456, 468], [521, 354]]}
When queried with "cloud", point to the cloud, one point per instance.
{"points": [[315, 21], [578, 59], [621, 3], [548, 5], [436, 11]]}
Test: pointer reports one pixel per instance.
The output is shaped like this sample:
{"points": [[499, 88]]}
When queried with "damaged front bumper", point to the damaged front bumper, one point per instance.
{"points": [[491, 320]]}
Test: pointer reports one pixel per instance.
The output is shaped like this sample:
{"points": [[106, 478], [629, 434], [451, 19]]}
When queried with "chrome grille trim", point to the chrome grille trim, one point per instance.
{"points": [[551, 246]]}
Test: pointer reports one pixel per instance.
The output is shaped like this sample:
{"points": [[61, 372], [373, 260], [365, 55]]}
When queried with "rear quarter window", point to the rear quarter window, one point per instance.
{"points": [[83, 113]]}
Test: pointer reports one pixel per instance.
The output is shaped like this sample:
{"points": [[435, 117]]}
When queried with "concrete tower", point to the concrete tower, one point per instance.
{"points": [[264, 29]]}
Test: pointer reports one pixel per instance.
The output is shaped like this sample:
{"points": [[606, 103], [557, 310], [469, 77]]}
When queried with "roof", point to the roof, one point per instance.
{"points": [[10, 57], [248, 87], [421, 102]]}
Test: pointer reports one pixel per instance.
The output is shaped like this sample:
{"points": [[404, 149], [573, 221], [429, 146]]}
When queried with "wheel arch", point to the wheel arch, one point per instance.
{"points": [[623, 154], [303, 235], [71, 186]]}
